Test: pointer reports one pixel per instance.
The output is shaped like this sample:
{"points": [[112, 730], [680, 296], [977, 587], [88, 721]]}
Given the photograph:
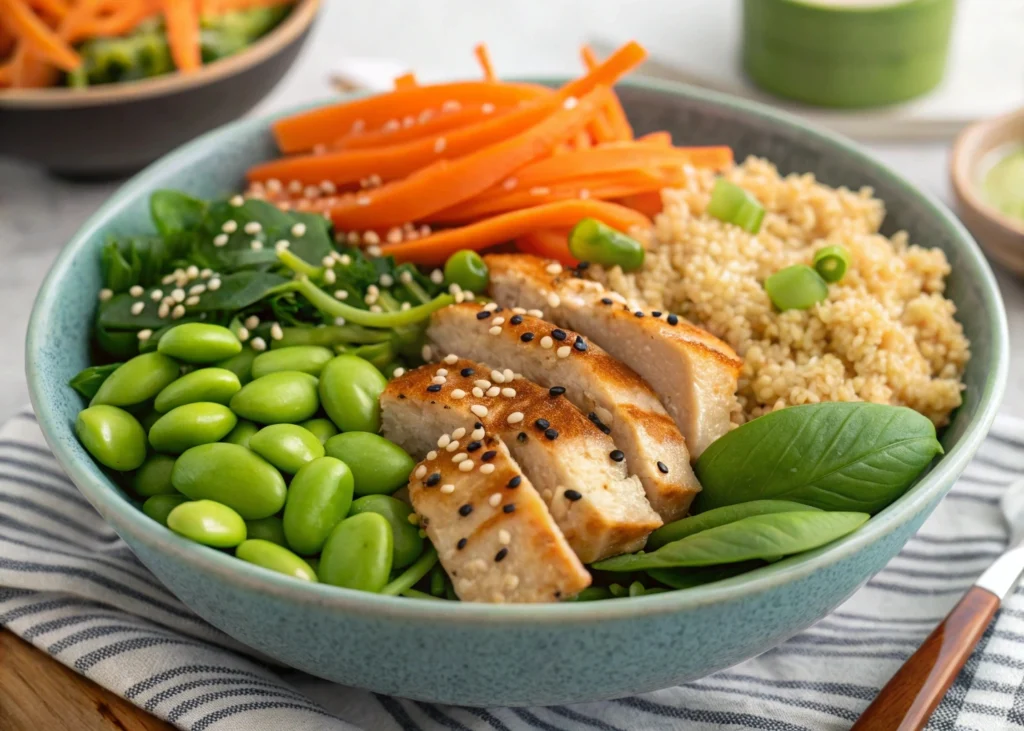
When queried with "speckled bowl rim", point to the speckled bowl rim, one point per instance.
{"points": [[279, 38], [128, 520]]}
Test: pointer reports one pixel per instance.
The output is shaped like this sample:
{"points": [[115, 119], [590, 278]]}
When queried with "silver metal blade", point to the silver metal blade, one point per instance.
{"points": [[1001, 577]]}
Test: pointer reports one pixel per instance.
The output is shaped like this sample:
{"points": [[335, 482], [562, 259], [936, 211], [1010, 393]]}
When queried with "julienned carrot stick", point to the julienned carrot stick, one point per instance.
{"points": [[618, 123], [548, 244], [37, 36], [405, 81], [483, 57], [182, 22], [437, 247], [660, 139], [648, 203], [123, 20], [301, 132], [427, 124], [613, 157], [444, 184]]}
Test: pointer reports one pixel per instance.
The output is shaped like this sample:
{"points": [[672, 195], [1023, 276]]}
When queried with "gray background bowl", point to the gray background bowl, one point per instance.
{"points": [[518, 655]]}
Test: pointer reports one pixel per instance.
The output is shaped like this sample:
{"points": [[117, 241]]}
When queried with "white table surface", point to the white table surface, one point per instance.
{"points": [[38, 214]]}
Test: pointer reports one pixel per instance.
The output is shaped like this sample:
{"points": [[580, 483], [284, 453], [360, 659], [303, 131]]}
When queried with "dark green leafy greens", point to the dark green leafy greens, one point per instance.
{"points": [[719, 516], [88, 382]]}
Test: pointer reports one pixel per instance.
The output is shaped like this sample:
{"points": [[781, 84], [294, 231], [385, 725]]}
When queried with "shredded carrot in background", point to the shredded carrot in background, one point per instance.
{"points": [[483, 57], [405, 81]]}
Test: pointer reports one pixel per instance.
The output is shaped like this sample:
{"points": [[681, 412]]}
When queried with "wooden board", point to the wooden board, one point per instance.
{"points": [[37, 693]]}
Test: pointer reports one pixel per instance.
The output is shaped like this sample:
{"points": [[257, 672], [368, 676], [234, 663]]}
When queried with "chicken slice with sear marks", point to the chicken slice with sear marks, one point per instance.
{"points": [[613, 396], [492, 531], [693, 372], [600, 508]]}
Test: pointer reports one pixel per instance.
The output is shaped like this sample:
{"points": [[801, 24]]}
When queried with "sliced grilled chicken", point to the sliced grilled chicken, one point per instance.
{"points": [[614, 397], [601, 510], [693, 372], [492, 531]]}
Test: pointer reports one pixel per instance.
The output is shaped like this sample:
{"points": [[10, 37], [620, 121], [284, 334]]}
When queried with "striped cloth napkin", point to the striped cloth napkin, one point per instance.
{"points": [[70, 586]]}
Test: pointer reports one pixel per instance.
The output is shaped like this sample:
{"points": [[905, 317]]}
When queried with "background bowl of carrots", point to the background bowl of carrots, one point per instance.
{"points": [[51, 114]]}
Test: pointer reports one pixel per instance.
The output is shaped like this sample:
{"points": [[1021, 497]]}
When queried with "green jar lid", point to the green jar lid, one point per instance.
{"points": [[846, 53]]}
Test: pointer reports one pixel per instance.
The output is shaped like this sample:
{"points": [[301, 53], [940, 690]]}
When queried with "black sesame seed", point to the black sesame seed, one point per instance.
{"points": [[516, 320], [573, 495], [465, 510], [473, 446], [478, 425], [583, 265], [663, 468], [638, 313], [433, 479], [466, 372], [617, 455], [515, 482], [655, 313], [483, 314], [526, 337], [461, 544], [434, 387], [510, 508], [542, 423], [488, 455], [521, 437], [580, 344], [551, 434], [500, 555], [673, 320], [499, 309], [558, 334], [606, 300], [556, 390]]}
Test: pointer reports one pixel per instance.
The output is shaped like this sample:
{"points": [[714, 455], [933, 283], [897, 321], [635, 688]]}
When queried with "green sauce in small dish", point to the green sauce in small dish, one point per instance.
{"points": [[1003, 184]]}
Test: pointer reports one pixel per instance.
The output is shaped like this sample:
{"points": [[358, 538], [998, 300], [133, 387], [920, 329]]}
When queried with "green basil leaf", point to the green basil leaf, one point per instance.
{"points": [[173, 212], [719, 516], [833, 456], [757, 537], [88, 381]]}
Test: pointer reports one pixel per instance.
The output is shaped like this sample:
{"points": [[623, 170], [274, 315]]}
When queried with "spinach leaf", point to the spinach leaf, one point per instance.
{"points": [[719, 516], [833, 456], [173, 212], [88, 382], [264, 223], [763, 537], [689, 578], [140, 260]]}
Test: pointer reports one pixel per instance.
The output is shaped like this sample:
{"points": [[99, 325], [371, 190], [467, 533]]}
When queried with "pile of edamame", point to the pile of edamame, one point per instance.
{"points": [[274, 456]]}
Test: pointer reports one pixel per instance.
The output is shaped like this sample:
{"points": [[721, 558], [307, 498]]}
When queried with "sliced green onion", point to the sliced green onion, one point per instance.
{"points": [[591, 240], [416, 594], [618, 590], [592, 594], [636, 589], [416, 571], [333, 308], [730, 203], [795, 288], [831, 262]]}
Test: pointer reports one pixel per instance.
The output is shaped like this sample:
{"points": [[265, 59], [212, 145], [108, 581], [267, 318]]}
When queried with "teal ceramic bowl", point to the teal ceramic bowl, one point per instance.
{"points": [[478, 654]]}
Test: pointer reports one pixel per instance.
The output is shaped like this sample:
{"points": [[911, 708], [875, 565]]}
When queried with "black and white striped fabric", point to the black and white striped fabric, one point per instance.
{"points": [[70, 587]]}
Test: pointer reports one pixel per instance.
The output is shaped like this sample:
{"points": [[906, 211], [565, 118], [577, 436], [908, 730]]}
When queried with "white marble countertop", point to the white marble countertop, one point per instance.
{"points": [[38, 214]]}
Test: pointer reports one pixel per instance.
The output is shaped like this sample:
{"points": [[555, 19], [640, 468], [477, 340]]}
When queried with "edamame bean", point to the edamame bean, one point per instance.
{"points": [[276, 558], [215, 385], [378, 466], [154, 477], [407, 544], [349, 390], [159, 507], [323, 429], [358, 553], [242, 433], [198, 342], [267, 529], [191, 425], [240, 365], [319, 497], [309, 359], [138, 380], [232, 475], [112, 436], [208, 522], [282, 397], [286, 446]]}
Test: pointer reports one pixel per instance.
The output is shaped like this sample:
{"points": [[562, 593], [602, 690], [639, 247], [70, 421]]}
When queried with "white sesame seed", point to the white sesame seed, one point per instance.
{"points": [[496, 330], [376, 308], [258, 344], [352, 237], [479, 409], [515, 417], [540, 190], [178, 312], [546, 493], [439, 379], [570, 102], [482, 383], [546, 342], [327, 262], [406, 306], [192, 301], [163, 311], [362, 200], [145, 334], [460, 457], [439, 144], [494, 499], [408, 121], [477, 434], [486, 468], [455, 288], [156, 295], [478, 392], [339, 321], [452, 445], [431, 455], [508, 392], [498, 321], [469, 296], [554, 300], [509, 183], [458, 393], [451, 106], [398, 372], [405, 277], [437, 276], [426, 352], [252, 321], [487, 108], [192, 272], [421, 471], [218, 240], [178, 294], [443, 441], [256, 245], [242, 333], [373, 251], [504, 537], [273, 185], [341, 294], [563, 352], [345, 260], [451, 359], [466, 466], [229, 226], [213, 285], [554, 268], [253, 227], [493, 391], [459, 433], [276, 332], [328, 187], [491, 306], [136, 291], [509, 375], [497, 377], [535, 313], [358, 126], [386, 280], [330, 277], [447, 489], [106, 294], [584, 194], [394, 235], [237, 200], [197, 289]]}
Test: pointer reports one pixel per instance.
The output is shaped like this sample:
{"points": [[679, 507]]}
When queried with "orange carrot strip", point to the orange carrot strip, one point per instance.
{"points": [[37, 36], [648, 203], [123, 20], [582, 140], [614, 124], [661, 139], [437, 247], [483, 57], [548, 244], [56, 8], [428, 124], [451, 181], [301, 132], [405, 81], [182, 22]]}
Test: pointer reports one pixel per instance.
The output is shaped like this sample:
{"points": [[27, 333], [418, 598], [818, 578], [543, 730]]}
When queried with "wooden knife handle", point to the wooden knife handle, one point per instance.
{"points": [[909, 698]]}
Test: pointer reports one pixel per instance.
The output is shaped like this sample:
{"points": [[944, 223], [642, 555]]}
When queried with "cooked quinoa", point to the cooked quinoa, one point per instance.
{"points": [[885, 334]]}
